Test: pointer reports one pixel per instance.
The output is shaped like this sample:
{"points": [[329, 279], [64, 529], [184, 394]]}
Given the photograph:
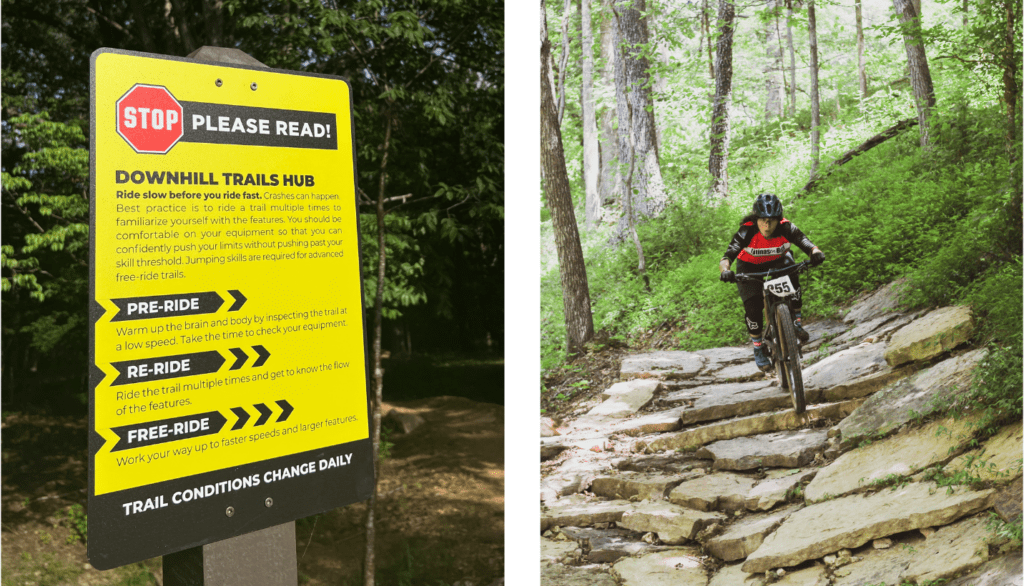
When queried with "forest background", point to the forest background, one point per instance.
{"points": [[428, 90], [700, 106], [427, 79]]}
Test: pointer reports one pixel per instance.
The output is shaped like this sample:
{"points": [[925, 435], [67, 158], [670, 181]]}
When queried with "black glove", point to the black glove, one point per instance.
{"points": [[727, 276], [817, 257]]}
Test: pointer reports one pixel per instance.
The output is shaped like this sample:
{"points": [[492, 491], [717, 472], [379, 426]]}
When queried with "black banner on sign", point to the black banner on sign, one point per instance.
{"points": [[245, 125], [135, 308], [161, 518], [148, 433], [163, 367]]}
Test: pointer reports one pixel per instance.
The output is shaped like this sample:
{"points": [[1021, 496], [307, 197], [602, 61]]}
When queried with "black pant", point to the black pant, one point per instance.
{"points": [[753, 297]]}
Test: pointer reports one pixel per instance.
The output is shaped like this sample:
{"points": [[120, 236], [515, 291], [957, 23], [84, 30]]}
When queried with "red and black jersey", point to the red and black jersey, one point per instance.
{"points": [[749, 246]]}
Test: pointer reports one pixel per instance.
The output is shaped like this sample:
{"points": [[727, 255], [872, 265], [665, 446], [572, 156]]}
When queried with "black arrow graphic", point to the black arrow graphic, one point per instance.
{"points": [[239, 300], [242, 415], [240, 358], [164, 367], [264, 414], [286, 410], [154, 306], [263, 356], [149, 433]]}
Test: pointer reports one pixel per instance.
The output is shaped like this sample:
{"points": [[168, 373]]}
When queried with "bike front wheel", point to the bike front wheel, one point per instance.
{"points": [[787, 363]]}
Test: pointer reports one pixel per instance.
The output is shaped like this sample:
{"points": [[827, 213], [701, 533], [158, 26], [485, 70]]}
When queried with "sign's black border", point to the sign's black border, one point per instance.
{"points": [[116, 539]]}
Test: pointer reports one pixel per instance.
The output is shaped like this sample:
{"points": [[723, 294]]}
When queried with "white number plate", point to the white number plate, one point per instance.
{"points": [[781, 286]]}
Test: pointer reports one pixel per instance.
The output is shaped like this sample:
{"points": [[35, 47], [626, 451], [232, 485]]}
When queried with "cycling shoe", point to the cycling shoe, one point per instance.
{"points": [[761, 358]]}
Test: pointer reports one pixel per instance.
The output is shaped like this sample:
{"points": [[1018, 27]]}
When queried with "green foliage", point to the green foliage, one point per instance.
{"points": [[384, 450], [894, 480], [78, 524], [1012, 530]]}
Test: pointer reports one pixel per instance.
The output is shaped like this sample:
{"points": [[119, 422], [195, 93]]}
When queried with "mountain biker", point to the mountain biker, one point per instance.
{"points": [[763, 243]]}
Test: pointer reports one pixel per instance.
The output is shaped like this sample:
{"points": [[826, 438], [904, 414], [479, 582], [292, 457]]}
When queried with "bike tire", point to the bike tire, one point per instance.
{"points": [[788, 360]]}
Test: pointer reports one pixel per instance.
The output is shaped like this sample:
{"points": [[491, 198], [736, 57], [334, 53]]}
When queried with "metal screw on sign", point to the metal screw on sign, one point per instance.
{"points": [[230, 512], [253, 86], [269, 502], [219, 83]]}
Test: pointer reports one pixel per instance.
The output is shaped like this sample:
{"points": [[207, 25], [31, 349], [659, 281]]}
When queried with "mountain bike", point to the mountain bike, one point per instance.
{"points": [[780, 339]]}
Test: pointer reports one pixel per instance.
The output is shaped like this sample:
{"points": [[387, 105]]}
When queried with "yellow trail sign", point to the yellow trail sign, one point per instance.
{"points": [[228, 341]]}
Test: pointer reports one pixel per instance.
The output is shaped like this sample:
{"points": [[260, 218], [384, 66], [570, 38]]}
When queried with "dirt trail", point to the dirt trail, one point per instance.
{"points": [[440, 513]]}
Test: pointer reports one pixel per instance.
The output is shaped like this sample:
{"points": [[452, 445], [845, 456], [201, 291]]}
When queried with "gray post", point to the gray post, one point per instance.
{"points": [[260, 558]]}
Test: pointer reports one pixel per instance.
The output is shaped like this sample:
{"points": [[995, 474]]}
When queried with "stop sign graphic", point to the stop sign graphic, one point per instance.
{"points": [[149, 119]]}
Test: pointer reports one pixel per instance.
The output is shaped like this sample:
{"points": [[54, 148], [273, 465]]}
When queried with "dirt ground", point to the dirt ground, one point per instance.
{"points": [[440, 513]]}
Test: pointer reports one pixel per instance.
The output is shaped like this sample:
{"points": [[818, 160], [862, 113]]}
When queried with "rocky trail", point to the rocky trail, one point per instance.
{"points": [[693, 469]]}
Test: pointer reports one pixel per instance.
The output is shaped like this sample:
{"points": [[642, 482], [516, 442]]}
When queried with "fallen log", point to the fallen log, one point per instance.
{"points": [[848, 156]]}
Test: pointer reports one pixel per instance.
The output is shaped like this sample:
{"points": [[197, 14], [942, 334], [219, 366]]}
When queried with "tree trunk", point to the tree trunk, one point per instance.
{"points": [[792, 58], [965, 14], [705, 15], [718, 163], [212, 13], [773, 66], [864, 147], [634, 103], [630, 216], [920, 75], [591, 158], [369, 567], [563, 60], [609, 147], [579, 321], [862, 77], [815, 105]]}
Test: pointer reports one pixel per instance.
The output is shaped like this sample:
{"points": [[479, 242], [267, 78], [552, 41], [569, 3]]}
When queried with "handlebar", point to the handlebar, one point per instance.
{"points": [[797, 268]]}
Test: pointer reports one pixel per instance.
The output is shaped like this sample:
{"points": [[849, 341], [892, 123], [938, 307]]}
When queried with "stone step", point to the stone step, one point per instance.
{"points": [[672, 567], [901, 455], [665, 365], [1005, 571], [937, 332], [723, 491], [747, 426], [562, 575], [580, 511], [896, 404], [784, 449], [735, 576], [605, 546], [673, 524], [852, 521], [776, 488], [743, 537], [643, 486]]}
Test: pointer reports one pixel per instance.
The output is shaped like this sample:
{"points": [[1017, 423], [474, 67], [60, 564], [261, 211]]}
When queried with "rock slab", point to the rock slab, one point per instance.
{"points": [[950, 551], [672, 523], [722, 491], [624, 399], [852, 521], [579, 511], [1005, 571], [668, 365], [786, 449], [903, 455], [674, 567], [894, 405], [937, 332], [743, 537]]}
